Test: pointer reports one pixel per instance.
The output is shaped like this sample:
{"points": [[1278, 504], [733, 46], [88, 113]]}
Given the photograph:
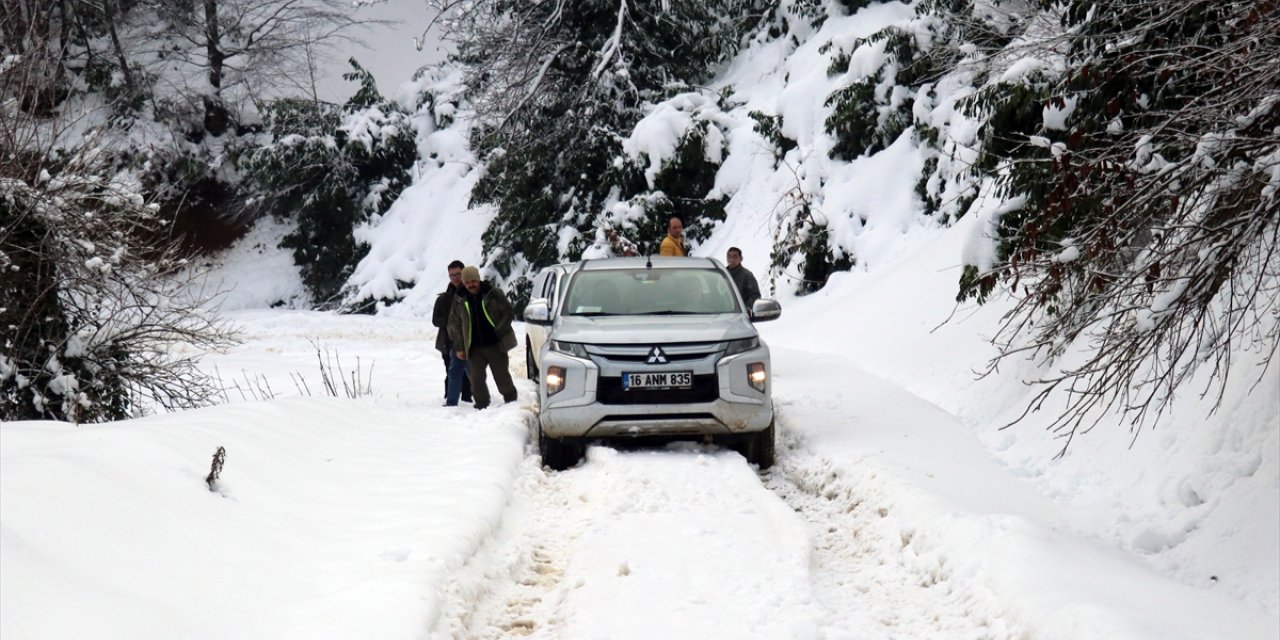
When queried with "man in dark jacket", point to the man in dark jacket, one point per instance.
{"points": [[742, 277], [456, 380], [480, 328]]}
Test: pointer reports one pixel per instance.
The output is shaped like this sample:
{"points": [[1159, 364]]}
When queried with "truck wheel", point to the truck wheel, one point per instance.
{"points": [[530, 366], [758, 448], [559, 454]]}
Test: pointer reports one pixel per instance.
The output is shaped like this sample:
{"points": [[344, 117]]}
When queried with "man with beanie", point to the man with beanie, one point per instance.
{"points": [[456, 380], [480, 328]]}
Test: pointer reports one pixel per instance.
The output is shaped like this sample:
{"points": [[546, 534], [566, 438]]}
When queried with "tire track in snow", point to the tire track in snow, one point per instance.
{"points": [[670, 544], [869, 568], [507, 589], [857, 569]]}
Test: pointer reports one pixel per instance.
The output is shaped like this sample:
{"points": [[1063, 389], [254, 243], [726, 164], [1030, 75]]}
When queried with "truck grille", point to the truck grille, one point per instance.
{"points": [[639, 353]]}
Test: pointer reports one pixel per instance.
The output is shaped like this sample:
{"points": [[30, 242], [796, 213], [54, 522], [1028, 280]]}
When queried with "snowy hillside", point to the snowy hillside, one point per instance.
{"points": [[901, 505], [1186, 485]]}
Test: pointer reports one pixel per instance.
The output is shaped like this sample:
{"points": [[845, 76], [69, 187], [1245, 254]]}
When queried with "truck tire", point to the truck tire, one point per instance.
{"points": [[530, 366], [559, 454], [758, 448]]}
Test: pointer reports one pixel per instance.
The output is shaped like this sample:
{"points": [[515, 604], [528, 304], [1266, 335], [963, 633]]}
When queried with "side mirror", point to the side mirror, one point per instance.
{"points": [[764, 310], [537, 312]]}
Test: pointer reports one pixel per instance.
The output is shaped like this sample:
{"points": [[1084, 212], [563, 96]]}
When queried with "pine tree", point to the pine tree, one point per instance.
{"points": [[558, 87]]}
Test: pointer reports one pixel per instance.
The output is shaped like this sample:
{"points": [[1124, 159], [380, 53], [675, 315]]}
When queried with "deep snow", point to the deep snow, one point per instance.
{"points": [[899, 507], [394, 517]]}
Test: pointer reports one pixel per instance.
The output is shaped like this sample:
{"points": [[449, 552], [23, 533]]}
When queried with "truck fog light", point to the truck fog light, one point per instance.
{"points": [[757, 376], [555, 380]]}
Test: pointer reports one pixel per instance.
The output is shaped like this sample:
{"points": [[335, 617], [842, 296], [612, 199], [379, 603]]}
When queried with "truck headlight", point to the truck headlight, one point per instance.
{"points": [[757, 376], [569, 348], [555, 380], [740, 346]]}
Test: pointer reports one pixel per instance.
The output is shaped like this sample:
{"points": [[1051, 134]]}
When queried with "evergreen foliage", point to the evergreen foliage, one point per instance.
{"points": [[855, 120], [685, 183], [803, 241], [770, 128], [557, 178], [814, 11], [1131, 152], [817, 259], [1143, 196], [873, 111], [92, 298], [558, 89], [330, 169]]}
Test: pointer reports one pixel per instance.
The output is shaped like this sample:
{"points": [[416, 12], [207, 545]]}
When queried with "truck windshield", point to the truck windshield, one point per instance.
{"points": [[650, 292]]}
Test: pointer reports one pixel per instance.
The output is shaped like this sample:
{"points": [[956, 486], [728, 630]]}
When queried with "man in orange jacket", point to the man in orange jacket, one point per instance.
{"points": [[673, 244]]}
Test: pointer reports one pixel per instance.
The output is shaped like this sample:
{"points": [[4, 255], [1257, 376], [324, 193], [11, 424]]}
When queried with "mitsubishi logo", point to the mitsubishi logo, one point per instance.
{"points": [[656, 356]]}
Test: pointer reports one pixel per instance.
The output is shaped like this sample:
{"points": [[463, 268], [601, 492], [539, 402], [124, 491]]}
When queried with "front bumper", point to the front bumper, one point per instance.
{"points": [[584, 409]]}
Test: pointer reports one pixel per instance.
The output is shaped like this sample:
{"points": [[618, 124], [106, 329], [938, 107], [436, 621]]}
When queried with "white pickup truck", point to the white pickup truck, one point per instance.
{"points": [[636, 347]]}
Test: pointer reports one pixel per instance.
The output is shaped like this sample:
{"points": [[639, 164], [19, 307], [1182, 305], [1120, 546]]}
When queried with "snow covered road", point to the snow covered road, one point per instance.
{"points": [[691, 542], [884, 518], [392, 517], [682, 544]]}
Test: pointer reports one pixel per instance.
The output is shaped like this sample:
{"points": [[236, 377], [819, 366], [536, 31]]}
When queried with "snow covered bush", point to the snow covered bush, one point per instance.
{"points": [[330, 169], [91, 306]]}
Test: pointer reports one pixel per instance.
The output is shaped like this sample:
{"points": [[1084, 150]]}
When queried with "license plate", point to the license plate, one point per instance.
{"points": [[659, 380]]}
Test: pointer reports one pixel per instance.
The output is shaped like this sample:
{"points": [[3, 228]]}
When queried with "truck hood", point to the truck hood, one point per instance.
{"points": [[653, 329]]}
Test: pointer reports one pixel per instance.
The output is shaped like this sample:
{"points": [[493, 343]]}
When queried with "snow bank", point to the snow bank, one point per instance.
{"points": [[333, 518]]}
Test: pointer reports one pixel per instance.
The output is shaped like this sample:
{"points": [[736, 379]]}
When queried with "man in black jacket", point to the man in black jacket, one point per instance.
{"points": [[742, 277], [455, 369], [480, 329]]}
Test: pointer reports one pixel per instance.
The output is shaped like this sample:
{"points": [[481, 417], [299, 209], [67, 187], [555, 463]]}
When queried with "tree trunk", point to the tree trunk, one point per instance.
{"points": [[216, 118], [38, 79], [108, 9]]}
